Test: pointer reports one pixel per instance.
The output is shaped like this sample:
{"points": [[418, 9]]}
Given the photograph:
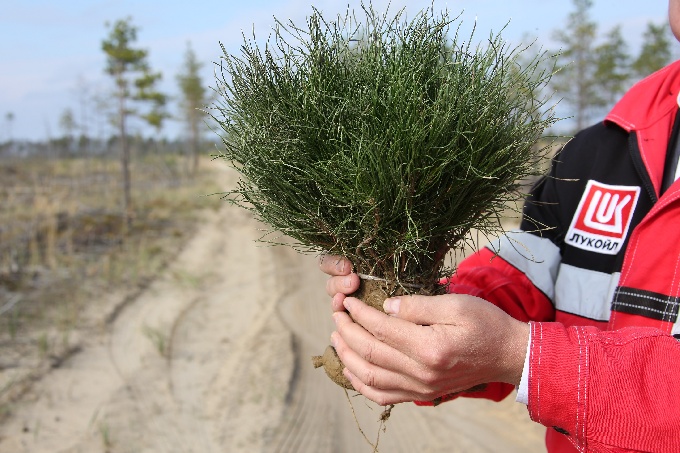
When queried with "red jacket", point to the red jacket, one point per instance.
{"points": [[596, 267]]}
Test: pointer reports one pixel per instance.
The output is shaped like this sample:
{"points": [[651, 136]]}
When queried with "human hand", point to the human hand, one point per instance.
{"points": [[342, 281], [428, 347]]}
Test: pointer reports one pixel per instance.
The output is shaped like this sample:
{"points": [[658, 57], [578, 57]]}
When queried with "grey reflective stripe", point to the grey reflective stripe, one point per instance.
{"points": [[584, 292], [538, 258]]}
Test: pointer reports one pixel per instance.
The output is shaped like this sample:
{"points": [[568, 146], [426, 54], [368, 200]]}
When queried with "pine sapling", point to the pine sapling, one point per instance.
{"points": [[384, 140]]}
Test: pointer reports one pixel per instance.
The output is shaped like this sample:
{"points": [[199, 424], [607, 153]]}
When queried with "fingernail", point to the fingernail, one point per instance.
{"points": [[347, 281], [347, 374], [347, 303], [391, 306], [335, 318], [334, 340], [340, 266]]}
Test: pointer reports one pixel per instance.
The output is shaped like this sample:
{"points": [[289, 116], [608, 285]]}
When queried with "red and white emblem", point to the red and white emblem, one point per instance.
{"points": [[603, 217]]}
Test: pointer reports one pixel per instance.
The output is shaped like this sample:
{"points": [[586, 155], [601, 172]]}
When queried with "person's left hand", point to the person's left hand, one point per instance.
{"points": [[428, 346]]}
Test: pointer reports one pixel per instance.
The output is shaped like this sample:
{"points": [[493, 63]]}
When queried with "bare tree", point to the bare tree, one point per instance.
{"points": [[68, 126], [9, 119]]}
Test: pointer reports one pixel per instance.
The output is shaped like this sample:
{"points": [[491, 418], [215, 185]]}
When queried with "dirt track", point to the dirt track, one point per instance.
{"points": [[215, 357]]}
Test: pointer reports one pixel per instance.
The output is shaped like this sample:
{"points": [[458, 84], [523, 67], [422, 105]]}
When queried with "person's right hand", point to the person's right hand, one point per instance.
{"points": [[342, 280]]}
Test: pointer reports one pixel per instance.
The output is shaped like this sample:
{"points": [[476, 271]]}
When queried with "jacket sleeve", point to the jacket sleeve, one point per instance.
{"points": [[606, 390]]}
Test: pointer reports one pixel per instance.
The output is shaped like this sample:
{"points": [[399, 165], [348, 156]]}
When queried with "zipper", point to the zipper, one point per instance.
{"points": [[672, 155], [640, 166]]}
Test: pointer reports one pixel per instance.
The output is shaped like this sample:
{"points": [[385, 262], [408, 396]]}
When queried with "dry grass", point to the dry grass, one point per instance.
{"points": [[64, 247]]}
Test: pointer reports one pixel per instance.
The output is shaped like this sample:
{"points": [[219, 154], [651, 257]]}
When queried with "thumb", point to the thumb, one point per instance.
{"points": [[424, 310]]}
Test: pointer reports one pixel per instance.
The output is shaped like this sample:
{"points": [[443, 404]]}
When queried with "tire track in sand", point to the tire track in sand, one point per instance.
{"points": [[214, 356]]}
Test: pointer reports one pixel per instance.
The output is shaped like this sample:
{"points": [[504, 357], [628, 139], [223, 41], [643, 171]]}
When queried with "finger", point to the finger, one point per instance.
{"points": [[385, 397], [337, 302], [335, 265], [345, 284], [378, 366], [368, 373], [360, 344], [400, 334], [379, 396], [375, 376], [427, 310]]}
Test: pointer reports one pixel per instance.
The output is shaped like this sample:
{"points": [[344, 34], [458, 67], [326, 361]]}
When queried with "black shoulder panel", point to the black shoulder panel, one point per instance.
{"points": [[601, 153]]}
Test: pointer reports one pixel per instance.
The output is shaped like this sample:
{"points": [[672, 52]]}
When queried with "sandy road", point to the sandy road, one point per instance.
{"points": [[215, 357]]}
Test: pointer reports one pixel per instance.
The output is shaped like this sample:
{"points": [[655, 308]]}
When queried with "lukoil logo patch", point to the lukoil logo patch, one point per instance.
{"points": [[603, 217]]}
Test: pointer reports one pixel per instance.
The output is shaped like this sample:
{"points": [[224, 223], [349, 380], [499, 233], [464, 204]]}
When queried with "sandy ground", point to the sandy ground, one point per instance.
{"points": [[214, 356]]}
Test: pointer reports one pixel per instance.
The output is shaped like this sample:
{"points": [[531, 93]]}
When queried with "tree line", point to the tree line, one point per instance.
{"points": [[594, 71], [591, 73], [135, 96]]}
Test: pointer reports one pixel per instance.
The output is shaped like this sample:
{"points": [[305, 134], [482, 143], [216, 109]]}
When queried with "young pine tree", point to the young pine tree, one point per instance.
{"points": [[193, 102], [655, 52], [575, 82], [386, 141], [128, 66]]}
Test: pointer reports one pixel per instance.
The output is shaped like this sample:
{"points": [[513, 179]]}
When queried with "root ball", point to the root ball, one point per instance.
{"points": [[332, 366]]}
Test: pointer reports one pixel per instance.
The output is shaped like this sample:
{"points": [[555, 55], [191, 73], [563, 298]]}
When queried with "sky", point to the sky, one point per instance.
{"points": [[51, 57]]}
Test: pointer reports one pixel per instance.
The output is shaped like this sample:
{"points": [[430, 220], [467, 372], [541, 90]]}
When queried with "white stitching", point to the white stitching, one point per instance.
{"points": [[531, 354], [623, 278], [675, 272], [622, 122], [642, 307], [657, 299], [538, 384], [578, 390], [672, 290], [585, 393]]}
